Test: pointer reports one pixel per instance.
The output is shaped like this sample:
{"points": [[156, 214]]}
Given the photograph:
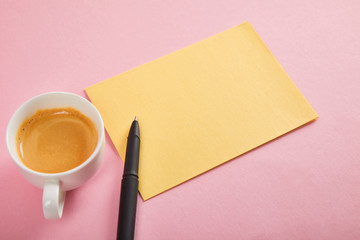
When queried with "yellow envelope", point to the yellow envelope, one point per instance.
{"points": [[200, 107]]}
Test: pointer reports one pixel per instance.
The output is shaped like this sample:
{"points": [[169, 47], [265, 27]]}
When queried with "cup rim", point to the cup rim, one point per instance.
{"points": [[97, 149]]}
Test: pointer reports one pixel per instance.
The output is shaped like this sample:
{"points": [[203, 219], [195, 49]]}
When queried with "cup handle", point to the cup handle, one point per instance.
{"points": [[53, 199]]}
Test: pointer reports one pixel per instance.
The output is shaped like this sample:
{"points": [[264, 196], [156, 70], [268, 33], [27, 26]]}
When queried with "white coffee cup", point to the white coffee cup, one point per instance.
{"points": [[55, 185]]}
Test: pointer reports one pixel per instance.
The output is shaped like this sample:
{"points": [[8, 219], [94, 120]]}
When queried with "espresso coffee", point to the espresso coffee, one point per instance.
{"points": [[56, 140]]}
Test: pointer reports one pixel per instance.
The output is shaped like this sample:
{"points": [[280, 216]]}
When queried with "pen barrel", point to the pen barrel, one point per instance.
{"points": [[132, 155], [127, 212]]}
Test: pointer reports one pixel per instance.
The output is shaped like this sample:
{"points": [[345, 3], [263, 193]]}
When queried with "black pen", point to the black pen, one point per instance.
{"points": [[129, 185]]}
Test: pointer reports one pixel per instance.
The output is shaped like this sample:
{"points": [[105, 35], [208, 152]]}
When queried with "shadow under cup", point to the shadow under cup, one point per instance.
{"points": [[55, 184]]}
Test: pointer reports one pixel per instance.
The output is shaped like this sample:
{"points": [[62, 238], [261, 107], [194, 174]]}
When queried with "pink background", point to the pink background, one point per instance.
{"points": [[304, 185]]}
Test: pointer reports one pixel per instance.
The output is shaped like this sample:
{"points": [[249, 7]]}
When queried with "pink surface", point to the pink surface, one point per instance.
{"points": [[304, 185]]}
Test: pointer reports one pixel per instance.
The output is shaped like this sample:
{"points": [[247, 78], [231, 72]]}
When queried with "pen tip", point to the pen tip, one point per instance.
{"points": [[135, 118]]}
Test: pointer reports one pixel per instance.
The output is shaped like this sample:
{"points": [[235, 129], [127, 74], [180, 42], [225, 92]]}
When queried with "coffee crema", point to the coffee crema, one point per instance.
{"points": [[56, 140]]}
